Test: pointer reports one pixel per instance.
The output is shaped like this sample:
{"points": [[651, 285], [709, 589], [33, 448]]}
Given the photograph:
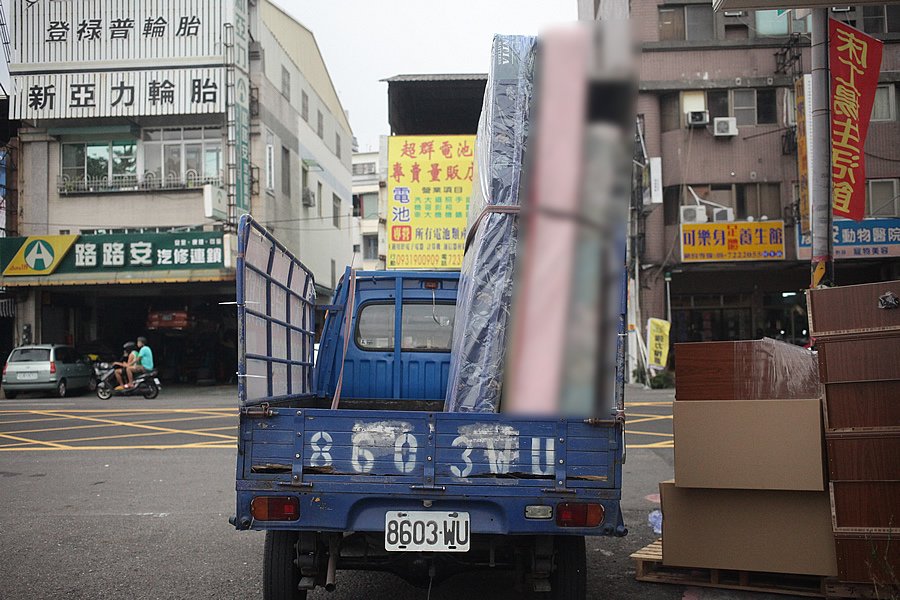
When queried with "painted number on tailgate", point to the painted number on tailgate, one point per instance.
{"points": [[392, 445]]}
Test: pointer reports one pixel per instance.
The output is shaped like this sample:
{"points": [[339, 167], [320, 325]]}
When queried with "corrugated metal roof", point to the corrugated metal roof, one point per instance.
{"points": [[438, 77]]}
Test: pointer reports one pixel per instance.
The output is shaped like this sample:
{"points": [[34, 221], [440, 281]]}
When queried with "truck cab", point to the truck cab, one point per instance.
{"points": [[352, 463]]}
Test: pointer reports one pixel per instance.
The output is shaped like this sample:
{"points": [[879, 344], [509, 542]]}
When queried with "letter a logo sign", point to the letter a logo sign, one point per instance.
{"points": [[39, 255]]}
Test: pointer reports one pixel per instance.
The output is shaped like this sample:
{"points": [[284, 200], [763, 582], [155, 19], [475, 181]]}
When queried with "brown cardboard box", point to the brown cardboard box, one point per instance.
{"points": [[746, 370], [748, 530], [761, 445]]}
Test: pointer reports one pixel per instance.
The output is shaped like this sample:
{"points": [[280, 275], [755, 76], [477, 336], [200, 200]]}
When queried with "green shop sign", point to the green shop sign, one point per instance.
{"points": [[132, 252]]}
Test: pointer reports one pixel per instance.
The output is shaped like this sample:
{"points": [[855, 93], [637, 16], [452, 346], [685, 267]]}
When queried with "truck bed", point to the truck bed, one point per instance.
{"points": [[349, 466]]}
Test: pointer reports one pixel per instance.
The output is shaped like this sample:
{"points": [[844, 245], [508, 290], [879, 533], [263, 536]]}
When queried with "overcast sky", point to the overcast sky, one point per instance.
{"points": [[364, 41]]}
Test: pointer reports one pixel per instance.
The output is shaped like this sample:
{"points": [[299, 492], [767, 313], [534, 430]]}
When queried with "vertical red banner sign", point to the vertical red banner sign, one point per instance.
{"points": [[855, 62]]}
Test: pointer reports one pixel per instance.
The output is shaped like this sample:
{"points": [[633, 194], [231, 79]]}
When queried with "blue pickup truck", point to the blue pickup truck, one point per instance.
{"points": [[349, 462]]}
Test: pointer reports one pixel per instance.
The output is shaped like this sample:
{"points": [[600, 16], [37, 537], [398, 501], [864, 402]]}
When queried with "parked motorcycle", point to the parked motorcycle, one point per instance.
{"points": [[146, 384]]}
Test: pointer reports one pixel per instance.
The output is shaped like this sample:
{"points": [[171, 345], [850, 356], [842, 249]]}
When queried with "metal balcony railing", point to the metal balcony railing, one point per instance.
{"points": [[133, 183]]}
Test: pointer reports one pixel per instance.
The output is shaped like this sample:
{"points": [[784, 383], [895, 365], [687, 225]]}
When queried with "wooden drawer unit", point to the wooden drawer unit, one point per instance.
{"points": [[862, 404], [869, 456], [869, 358], [866, 506], [852, 309], [870, 558]]}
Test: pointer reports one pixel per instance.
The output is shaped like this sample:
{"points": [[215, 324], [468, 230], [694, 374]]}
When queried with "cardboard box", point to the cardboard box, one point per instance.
{"points": [[748, 530], [761, 445], [746, 370]]}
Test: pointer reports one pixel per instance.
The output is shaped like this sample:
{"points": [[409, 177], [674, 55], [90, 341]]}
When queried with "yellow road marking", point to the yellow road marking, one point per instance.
{"points": [[126, 424], [126, 410], [645, 419], [632, 432], [648, 446], [133, 435], [154, 421], [98, 448], [19, 439], [664, 403]]}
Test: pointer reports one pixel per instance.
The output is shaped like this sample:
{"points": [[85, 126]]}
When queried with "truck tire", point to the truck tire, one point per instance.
{"points": [[280, 573], [569, 578]]}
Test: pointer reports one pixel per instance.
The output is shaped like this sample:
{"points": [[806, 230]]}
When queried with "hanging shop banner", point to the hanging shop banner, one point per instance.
{"points": [[869, 238], [802, 88], [68, 254], [429, 185], [658, 342], [855, 63], [724, 242]]}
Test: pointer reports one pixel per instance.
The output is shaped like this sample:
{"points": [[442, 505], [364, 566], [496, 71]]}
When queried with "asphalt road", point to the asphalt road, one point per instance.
{"points": [[130, 499]]}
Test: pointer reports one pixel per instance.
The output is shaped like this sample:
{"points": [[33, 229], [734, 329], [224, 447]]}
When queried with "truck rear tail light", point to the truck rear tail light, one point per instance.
{"points": [[275, 508], [570, 514], [52, 367], [432, 285]]}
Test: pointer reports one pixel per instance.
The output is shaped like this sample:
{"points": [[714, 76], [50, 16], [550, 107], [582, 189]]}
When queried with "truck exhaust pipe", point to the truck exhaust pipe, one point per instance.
{"points": [[333, 550]]}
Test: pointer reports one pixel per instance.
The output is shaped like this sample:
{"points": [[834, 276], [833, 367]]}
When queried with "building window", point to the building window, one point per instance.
{"points": [[366, 168], [693, 22], [754, 107], [270, 161], [882, 198], [770, 23], [884, 108], [717, 103], [285, 171], [336, 210], [370, 246], [365, 205], [881, 19], [337, 144], [182, 156], [285, 83], [304, 106], [333, 274], [670, 111], [319, 197], [757, 200], [320, 124], [110, 162]]}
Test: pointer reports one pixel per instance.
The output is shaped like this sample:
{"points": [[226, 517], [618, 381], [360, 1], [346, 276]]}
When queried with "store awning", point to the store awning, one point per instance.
{"points": [[121, 278]]}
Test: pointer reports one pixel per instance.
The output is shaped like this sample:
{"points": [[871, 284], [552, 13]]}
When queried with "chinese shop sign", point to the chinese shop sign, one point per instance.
{"points": [[855, 62], [869, 238], [429, 185], [119, 93], [66, 254], [723, 242]]}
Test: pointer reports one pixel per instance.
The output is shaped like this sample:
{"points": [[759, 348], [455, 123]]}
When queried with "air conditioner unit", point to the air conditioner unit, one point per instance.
{"points": [[696, 118], [725, 127], [693, 214], [309, 198], [720, 215], [840, 9]]}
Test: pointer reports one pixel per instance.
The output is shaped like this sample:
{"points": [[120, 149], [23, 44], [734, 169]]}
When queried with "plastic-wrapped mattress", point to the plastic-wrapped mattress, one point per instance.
{"points": [[486, 278]]}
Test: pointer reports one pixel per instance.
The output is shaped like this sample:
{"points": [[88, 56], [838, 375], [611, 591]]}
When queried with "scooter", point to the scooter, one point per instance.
{"points": [[146, 384]]}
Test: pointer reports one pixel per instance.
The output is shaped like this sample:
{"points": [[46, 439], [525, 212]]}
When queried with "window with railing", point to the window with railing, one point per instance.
{"points": [[99, 161], [182, 155]]}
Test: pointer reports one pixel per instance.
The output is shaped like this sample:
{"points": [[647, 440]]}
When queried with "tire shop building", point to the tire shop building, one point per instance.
{"points": [[147, 130]]}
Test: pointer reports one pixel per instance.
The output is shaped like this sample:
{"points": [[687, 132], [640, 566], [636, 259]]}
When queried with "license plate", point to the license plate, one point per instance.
{"points": [[27, 376], [156, 381], [416, 531]]}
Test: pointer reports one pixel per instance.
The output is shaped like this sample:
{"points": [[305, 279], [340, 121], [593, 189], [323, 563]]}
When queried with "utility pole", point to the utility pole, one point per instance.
{"points": [[820, 147]]}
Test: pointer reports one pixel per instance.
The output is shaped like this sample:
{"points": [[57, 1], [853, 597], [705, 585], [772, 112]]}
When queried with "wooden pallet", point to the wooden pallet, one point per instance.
{"points": [[836, 589], [650, 568]]}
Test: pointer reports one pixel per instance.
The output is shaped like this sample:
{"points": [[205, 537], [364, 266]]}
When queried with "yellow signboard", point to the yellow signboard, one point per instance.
{"points": [[658, 342], [723, 242], [429, 185], [40, 255]]}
